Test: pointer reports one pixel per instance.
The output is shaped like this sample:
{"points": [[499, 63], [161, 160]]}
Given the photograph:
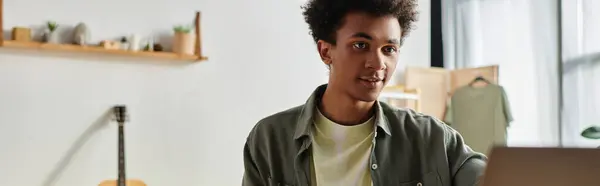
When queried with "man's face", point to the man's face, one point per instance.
{"points": [[364, 57]]}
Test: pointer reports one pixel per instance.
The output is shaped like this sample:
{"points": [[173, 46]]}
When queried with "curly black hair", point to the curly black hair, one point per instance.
{"points": [[324, 17]]}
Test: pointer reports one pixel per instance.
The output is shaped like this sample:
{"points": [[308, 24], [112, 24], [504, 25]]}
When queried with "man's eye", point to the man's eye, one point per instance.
{"points": [[359, 45], [389, 49]]}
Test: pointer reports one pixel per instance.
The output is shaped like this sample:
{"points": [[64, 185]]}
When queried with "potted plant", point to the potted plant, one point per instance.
{"points": [[51, 35], [592, 132], [124, 43], [183, 40]]}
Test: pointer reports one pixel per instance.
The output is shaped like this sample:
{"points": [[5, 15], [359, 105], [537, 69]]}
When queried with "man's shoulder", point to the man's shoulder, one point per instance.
{"points": [[282, 122]]}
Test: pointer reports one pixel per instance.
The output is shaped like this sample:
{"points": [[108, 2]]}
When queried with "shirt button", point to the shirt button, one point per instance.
{"points": [[374, 166]]}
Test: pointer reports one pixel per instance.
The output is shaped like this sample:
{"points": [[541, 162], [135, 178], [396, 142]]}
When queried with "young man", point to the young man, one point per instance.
{"points": [[342, 136]]}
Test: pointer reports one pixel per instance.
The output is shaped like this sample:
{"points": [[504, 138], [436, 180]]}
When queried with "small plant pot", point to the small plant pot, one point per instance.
{"points": [[183, 43], [124, 46], [52, 37]]}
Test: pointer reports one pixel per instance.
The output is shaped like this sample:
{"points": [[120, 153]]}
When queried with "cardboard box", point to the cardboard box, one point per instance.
{"points": [[21, 34]]}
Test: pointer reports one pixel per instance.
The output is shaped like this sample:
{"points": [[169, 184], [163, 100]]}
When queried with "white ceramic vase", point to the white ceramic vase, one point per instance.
{"points": [[134, 42]]}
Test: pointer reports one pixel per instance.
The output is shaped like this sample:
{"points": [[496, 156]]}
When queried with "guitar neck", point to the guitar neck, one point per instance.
{"points": [[121, 178]]}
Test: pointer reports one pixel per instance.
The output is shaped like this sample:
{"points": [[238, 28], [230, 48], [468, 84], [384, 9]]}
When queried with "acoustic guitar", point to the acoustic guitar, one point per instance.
{"points": [[121, 116]]}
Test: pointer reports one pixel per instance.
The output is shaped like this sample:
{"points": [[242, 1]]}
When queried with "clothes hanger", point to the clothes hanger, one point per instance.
{"points": [[479, 78]]}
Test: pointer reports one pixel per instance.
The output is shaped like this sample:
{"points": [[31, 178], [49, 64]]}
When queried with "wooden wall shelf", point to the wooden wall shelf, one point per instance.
{"points": [[99, 50], [70, 48]]}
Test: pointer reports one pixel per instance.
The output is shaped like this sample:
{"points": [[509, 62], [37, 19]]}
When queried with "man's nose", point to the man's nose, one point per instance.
{"points": [[375, 61]]}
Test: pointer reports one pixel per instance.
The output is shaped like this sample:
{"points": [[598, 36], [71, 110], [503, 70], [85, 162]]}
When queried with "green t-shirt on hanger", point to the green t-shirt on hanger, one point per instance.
{"points": [[481, 115]]}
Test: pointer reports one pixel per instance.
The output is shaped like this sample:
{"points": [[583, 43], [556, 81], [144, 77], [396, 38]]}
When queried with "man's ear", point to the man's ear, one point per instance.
{"points": [[324, 51]]}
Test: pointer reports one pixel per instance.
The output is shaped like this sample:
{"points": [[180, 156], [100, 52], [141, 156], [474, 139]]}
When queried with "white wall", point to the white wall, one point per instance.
{"points": [[188, 122], [417, 48]]}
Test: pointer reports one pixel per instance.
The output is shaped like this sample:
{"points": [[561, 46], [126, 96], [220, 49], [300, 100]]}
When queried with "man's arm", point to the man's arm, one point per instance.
{"points": [[466, 165], [251, 174]]}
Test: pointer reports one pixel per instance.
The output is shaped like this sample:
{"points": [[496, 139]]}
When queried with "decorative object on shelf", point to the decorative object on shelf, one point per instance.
{"points": [[51, 35], [149, 45], [183, 40], [592, 132], [112, 45], [134, 42], [156, 47], [81, 34], [21, 34]]}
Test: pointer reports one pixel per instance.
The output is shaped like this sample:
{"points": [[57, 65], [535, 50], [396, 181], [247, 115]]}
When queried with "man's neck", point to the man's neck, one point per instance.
{"points": [[344, 110]]}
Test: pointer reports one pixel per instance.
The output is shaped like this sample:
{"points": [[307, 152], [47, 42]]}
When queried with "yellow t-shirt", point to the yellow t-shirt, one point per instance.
{"points": [[340, 154]]}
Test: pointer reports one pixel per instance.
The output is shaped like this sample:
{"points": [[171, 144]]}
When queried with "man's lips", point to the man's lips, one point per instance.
{"points": [[371, 79]]}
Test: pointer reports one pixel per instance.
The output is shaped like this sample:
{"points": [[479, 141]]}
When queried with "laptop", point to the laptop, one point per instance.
{"points": [[544, 166]]}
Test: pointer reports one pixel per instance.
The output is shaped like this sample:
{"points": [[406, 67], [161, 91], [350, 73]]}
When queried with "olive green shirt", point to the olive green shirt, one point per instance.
{"points": [[409, 149], [481, 115]]}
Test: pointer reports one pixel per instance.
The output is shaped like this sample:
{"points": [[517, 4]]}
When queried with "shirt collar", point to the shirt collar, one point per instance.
{"points": [[306, 117]]}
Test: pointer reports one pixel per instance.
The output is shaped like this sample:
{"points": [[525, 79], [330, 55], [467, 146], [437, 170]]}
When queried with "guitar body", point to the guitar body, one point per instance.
{"points": [[127, 182], [120, 112]]}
